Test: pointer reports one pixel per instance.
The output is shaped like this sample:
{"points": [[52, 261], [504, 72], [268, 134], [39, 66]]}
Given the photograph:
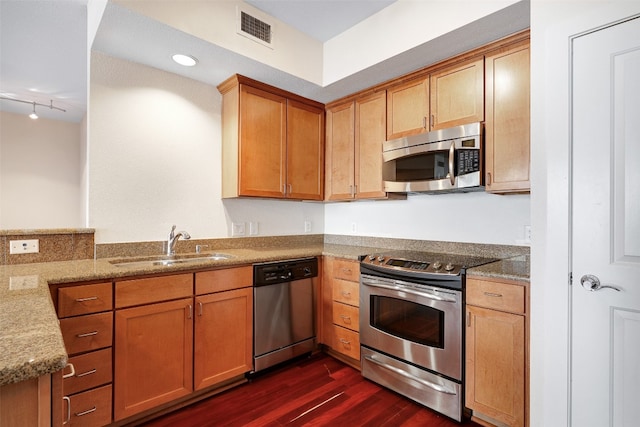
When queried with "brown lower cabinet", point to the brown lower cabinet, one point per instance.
{"points": [[496, 351], [153, 356], [81, 392], [340, 309], [154, 342]]}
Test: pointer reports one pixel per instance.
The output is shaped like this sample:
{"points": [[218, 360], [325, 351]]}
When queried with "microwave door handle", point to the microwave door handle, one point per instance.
{"points": [[408, 291], [452, 152]]}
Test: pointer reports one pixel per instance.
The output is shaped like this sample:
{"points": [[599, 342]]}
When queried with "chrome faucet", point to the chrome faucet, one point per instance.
{"points": [[173, 238]]}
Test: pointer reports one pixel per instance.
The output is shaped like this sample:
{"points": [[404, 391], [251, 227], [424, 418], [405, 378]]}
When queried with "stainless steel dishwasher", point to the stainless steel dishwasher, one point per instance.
{"points": [[283, 310]]}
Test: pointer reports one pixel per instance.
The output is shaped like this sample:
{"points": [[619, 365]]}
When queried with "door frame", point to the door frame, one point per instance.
{"points": [[553, 27]]}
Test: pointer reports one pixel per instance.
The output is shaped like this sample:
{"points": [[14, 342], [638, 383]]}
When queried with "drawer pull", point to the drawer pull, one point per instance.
{"points": [[345, 342], [346, 294], [88, 334], [84, 374], [70, 374], [346, 270], [66, 399], [491, 294], [346, 318], [86, 299], [88, 411]]}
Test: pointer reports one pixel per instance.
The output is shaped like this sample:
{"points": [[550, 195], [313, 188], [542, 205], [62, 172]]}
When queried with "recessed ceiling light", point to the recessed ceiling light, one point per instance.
{"points": [[186, 60]]}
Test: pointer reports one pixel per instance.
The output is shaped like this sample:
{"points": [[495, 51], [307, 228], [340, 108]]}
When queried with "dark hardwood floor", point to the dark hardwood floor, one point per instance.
{"points": [[315, 391]]}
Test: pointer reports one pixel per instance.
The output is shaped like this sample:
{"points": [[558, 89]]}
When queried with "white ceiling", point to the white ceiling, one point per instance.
{"points": [[43, 53]]}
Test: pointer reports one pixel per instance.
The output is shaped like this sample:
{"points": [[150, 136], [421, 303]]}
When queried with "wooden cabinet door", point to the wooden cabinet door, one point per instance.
{"points": [[262, 158], [340, 154], [507, 145], [408, 108], [305, 151], [457, 95], [223, 336], [153, 356], [370, 132], [495, 364]]}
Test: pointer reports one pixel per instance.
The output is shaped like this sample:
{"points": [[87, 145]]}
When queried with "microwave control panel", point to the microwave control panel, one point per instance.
{"points": [[468, 161]]}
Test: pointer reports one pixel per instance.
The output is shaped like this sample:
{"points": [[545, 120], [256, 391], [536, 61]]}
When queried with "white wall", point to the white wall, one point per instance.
{"points": [[467, 217], [40, 173], [154, 160]]}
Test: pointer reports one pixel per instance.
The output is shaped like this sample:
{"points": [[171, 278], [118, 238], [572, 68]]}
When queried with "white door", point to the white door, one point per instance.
{"points": [[605, 318]]}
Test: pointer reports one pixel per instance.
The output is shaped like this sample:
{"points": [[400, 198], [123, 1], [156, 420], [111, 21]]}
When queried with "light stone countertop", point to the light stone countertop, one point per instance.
{"points": [[30, 339]]}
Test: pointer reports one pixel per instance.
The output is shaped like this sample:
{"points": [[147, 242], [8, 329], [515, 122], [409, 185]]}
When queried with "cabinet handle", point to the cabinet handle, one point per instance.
{"points": [[88, 411], [488, 178], [199, 309], [345, 342], [346, 270], [72, 373], [190, 315], [86, 299], [346, 319], [424, 122], [66, 399], [290, 189], [494, 295], [87, 334], [346, 294], [84, 374], [468, 319], [355, 190]]}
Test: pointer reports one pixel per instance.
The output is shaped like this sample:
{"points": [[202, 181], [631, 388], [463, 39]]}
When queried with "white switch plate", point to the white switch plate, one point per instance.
{"points": [[354, 227], [17, 283], [237, 229], [24, 246], [307, 226], [527, 234], [253, 228]]}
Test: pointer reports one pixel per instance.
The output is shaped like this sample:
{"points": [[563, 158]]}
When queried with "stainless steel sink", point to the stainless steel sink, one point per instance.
{"points": [[168, 261]]}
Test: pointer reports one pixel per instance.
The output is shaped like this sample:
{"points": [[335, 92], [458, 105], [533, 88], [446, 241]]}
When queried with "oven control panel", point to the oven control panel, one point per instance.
{"points": [[395, 263]]}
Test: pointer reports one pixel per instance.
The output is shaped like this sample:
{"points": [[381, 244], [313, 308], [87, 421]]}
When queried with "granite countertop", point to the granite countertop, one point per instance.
{"points": [[30, 339], [515, 268]]}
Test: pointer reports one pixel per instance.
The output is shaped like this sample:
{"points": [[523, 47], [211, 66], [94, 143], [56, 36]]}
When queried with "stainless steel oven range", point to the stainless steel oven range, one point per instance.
{"points": [[411, 317]]}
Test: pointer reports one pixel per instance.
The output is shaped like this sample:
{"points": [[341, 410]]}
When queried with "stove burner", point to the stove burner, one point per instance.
{"points": [[423, 262]]}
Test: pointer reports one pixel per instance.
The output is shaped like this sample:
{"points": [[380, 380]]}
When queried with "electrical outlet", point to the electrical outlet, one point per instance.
{"points": [[527, 234], [237, 229], [24, 246], [307, 226], [354, 227], [253, 228]]}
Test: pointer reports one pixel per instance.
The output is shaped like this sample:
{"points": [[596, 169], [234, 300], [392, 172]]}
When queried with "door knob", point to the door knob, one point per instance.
{"points": [[592, 283]]}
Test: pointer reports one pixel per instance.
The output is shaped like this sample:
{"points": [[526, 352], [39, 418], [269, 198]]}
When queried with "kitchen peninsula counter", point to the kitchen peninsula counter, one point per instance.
{"points": [[31, 343]]}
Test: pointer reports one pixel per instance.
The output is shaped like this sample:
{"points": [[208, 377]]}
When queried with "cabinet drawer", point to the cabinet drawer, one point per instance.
{"points": [[346, 316], [208, 282], [90, 408], [346, 270], [153, 289], [87, 333], [347, 342], [496, 295], [91, 370], [346, 292], [84, 299]]}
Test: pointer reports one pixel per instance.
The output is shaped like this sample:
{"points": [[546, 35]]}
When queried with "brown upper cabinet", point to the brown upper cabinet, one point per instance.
{"points": [[457, 95], [355, 132], [447, 97], [507, 144], [272, 142], [408, 108]]}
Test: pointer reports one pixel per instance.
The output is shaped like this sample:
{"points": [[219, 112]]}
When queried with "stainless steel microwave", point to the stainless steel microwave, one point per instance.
{"points": [[445, 160]]}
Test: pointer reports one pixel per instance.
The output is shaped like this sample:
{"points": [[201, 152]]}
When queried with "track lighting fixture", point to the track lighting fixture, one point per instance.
{"points": [[33, 114]]}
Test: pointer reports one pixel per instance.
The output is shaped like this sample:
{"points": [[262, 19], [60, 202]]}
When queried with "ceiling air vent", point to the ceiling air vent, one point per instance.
{"points": [[255, 29]]}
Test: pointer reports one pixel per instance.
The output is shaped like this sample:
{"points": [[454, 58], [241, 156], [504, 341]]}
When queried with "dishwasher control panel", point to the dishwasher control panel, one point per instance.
{"points": [[284, 271]]}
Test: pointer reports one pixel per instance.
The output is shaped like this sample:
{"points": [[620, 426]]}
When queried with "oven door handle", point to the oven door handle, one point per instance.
{"points": [[409, 291], [402, 372]]}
